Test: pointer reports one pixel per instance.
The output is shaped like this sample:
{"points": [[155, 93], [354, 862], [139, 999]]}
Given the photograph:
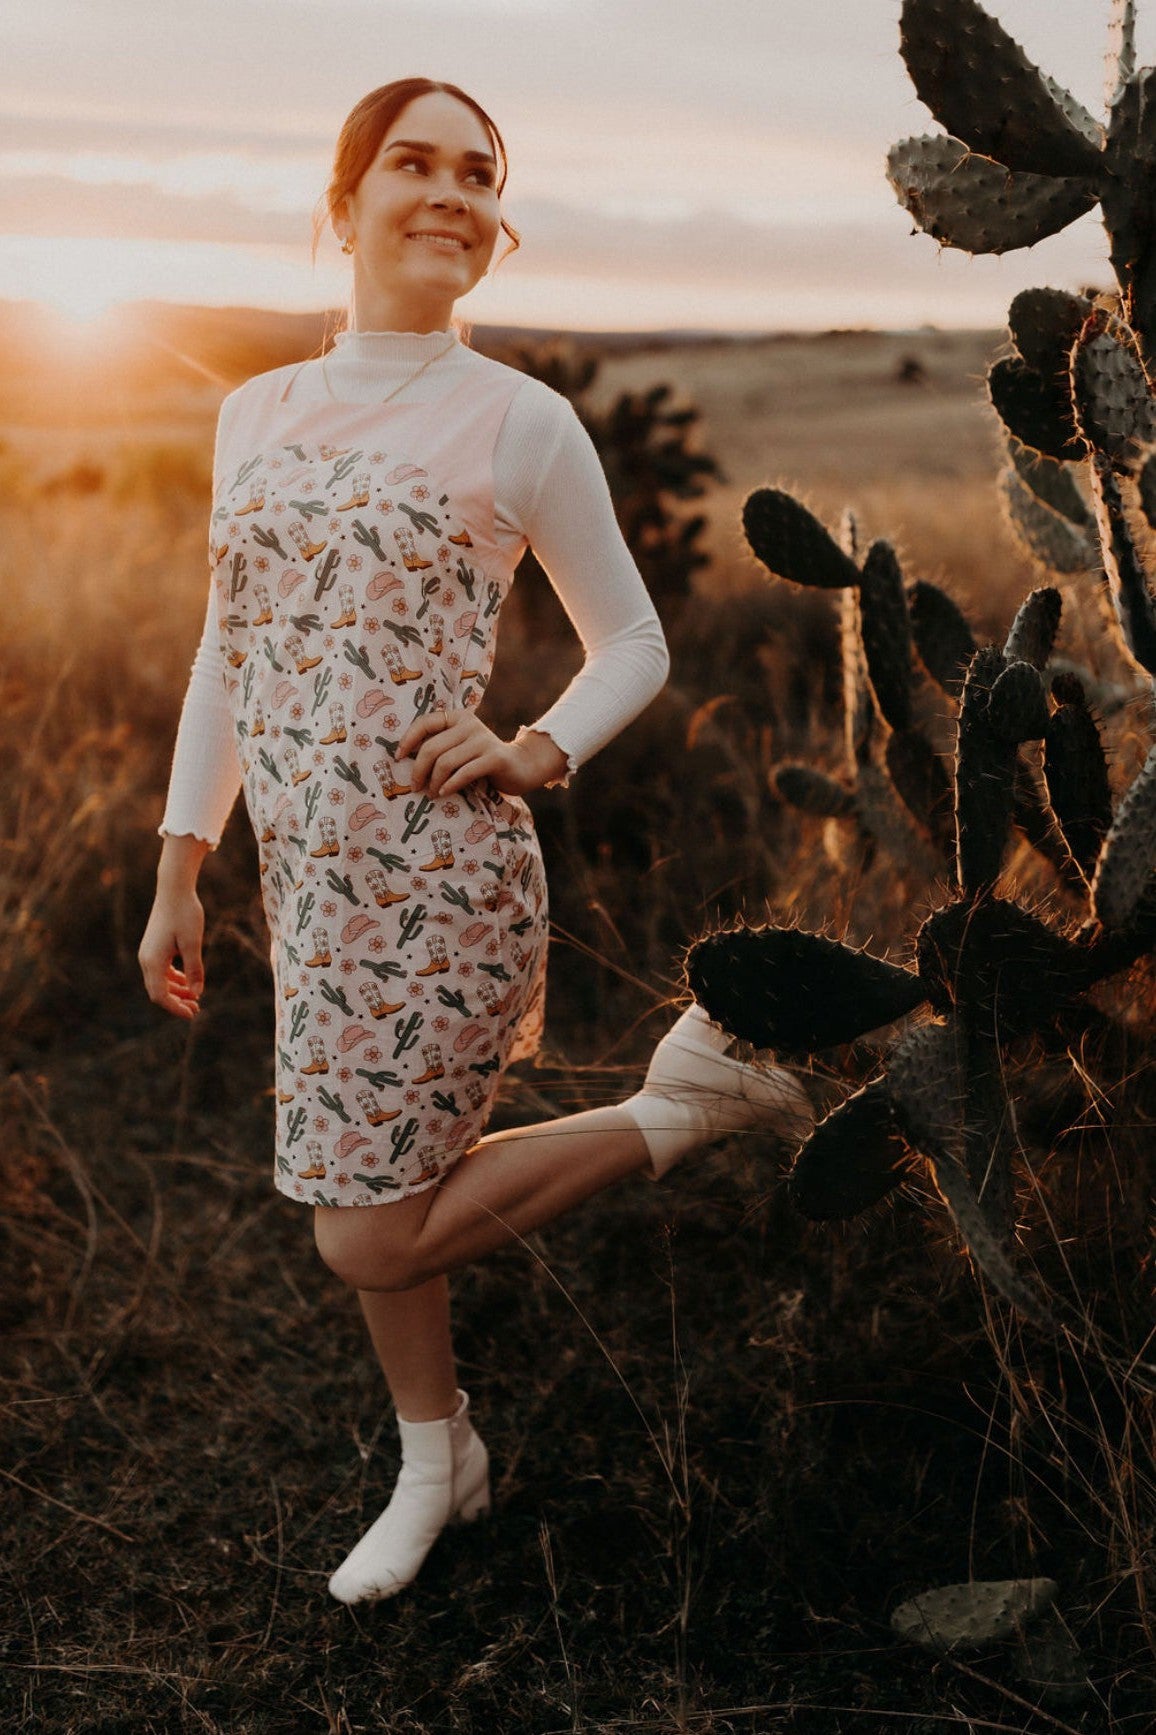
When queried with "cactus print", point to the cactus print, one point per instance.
{"points": [[359, 582]]}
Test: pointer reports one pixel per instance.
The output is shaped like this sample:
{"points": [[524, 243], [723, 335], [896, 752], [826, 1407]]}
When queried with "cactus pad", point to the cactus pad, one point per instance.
{"points": [[1077, 774], [813, 792], [1033, 632], [1051, 482], [984, 778], [1128, 857], [998, 966], [781, 988], [1134, 605], [792, 544], [942, 636], [1036, 408], [979, 84], [967, 201], [923, 785], [1018, 707], [1044, 324], [963, 1616], [1110, 390], [886, 633], [852, 1159], [1058, 544]]}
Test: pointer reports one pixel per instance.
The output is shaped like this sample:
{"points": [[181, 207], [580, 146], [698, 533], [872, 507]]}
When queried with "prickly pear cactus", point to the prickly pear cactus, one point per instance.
{"points": [[1021, 158]]}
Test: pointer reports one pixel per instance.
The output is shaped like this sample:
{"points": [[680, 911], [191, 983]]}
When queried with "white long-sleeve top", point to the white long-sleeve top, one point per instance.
{"points": [[549, 490]]}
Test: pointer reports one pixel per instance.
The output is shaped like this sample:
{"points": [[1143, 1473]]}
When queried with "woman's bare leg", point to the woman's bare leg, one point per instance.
{"points": [[504, 1186], [410, 1333]]}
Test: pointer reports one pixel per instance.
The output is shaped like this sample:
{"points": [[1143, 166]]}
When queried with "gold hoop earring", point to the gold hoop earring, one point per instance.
{"points": [[347, 244]]}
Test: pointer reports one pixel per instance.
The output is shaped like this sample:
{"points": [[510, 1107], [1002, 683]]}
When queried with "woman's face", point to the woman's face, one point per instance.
{"points": [[424, 217]]}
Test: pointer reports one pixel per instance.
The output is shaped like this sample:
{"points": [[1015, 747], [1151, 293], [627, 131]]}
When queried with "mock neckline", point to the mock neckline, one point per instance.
{"points": [[372, 342]]}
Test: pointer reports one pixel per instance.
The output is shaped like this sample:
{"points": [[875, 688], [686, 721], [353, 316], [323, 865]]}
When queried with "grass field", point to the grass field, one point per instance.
{"points": [[726, 1443]]}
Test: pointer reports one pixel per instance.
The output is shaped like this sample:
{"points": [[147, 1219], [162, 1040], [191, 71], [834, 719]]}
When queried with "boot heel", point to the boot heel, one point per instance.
{"points": [[474, 1506]]}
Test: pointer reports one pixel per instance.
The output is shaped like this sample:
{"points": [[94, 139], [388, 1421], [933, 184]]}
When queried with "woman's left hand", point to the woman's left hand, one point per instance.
{"points": [[453, 748]]}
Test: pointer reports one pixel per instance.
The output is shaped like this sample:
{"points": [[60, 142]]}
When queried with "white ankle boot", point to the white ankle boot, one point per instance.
{"points": [[444, 1479], [695, 1092]]}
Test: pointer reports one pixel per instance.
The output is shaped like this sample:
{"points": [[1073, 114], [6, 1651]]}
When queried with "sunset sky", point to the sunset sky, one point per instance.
{"points": [[690, 163]]}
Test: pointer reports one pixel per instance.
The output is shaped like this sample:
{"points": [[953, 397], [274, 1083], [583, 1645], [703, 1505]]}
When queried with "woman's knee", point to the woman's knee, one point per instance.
{"points": [[368, 1248]]}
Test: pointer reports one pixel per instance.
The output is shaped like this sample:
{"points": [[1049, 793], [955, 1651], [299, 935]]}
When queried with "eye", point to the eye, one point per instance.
{"points": [[484, 177], [411, 162]]}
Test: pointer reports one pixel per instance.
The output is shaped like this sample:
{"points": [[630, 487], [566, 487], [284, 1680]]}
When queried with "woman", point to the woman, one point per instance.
{"points": [[369, 510]]}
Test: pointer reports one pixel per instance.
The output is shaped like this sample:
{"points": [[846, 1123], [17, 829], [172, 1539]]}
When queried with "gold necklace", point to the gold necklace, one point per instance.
{"points": [[408, 381]]}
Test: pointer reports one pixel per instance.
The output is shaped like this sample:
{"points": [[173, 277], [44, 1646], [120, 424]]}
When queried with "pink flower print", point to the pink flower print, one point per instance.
{"points": [[412, 1096], [400, 606], [275, 731], [319, 757], [373, 1054], [356, 853], [263, 786], [345, 681], [434, 1126], [451, 810], [465, 968], [440, 1023], [276, 463], [381, 834], [336, 797], [261, 563], [321, 1123], [344, 1074], [297, 711], [362, 741], [454, 661], [234, 529], [470, 867], [418, 883], [279, 507], [447, 599], [377, 943], [372, 624], [324, 1017], [493, 947], [444, 554], [371, 1161], [353, 562], [347, 968], [329, 641], [310, 870], [342, 1179], [328, 908], [377, 457], [334, 526], [419, 493], [393, 721], [299, 1189], [383, 506], [415, 990]]}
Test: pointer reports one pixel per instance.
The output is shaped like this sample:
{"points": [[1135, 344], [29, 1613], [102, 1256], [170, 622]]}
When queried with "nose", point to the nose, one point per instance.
{"points": [[446, 194]]}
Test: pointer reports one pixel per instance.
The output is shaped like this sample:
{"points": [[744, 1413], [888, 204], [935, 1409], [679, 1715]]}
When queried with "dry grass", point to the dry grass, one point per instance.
{"points": [[725, 1444]]}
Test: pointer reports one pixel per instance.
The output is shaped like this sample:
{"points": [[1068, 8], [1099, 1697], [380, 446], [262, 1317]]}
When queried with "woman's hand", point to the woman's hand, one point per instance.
{"points": [[453, 748], [176, 929]]}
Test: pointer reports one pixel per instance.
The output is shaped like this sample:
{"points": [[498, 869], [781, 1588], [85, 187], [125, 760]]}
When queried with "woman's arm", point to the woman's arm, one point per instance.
{"points": [[562, 505], [175, 930]]}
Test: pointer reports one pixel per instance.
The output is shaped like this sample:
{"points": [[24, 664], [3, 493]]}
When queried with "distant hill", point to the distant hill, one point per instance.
{"points": [[151, 355]]}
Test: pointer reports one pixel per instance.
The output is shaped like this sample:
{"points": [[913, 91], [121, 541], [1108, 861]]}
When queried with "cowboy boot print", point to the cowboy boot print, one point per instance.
{"points": [[461, 539], [254, 503], [399, 674], [257, 726], [318, 1059], [337, 730], [307, 549], [296, 647], [297, 772], [264, 616], [329, 844], [443, 853], [375, 1002], [314, 1169], [491, 999], [411, 559], [437, 626], [434, 1065], [383, 895], [347, 614], [372, 1110], [439, 961], [390, 787], [321, 955], [360, 494]]}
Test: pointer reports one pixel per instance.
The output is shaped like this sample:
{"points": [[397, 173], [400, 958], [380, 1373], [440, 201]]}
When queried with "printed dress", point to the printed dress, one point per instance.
{"points": [[359, 583]]}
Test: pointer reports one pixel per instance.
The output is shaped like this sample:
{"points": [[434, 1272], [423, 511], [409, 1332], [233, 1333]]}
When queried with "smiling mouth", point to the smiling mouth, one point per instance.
{"points": [[446, 243]]}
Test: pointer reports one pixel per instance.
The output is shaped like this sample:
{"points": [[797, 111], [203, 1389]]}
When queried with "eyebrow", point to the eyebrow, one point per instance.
{"points": [[431, 151]]}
